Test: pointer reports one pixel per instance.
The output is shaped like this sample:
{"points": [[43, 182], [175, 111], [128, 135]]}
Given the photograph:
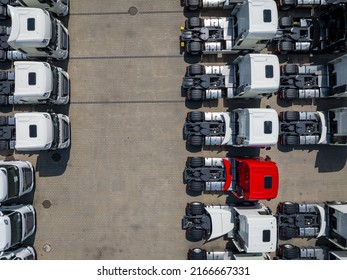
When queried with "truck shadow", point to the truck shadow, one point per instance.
{"points": [[52, 163]]}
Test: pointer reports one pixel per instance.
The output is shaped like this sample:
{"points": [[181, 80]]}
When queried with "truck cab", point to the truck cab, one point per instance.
{"points": [[40, 82], [16, 179], [57, 7], [252, 229], [17, 223], [41, 131], [252, 25], [249, 76], [255, 127], [35, 33], [246, 178]]}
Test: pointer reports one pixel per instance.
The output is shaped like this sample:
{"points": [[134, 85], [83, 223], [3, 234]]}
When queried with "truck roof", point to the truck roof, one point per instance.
{"points": [[341, 219], [259, 18], [5, 233], [258, 178], [222, 221], [34, 131], [260, 73], [30, 27], [258, 126], [32, 79], [258, 229]]}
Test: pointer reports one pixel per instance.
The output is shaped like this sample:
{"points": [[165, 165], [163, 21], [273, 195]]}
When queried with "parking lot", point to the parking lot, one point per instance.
{"points": [[117, 193]]}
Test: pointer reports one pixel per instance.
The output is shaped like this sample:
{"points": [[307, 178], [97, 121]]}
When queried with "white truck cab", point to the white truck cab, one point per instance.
{"points": [[20, 253], [17, 223], [40, 82], [16, 179], [41, 131], [35, 33], [57, 7]]}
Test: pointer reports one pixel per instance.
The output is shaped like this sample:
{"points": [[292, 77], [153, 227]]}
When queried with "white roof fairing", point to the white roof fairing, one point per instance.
{"points": [[5, 233], [44, 129], [20, 36], [43, 84], [3, 185], [222, 221]]}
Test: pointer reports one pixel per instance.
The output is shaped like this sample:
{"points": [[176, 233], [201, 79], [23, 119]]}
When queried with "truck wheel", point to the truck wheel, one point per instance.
{"points": [[195, 69], [196, 208], [292, 140], [286, 46], [195, 116], [286, 22], [195, 48], [3, 119], [3, 100], [195, 186], [289, 208], [290, 93], [195, 162], [290, 69], [195, 140], [196, 254], [3, 75], [287, 4], [195, 95], [289, 252], [3, 145], [193, 5], [194, 22], [195, 234], [291, 116]]}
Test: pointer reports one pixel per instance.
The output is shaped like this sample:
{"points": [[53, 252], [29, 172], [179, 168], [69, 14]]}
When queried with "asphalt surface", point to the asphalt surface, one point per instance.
{"points": [[117, 193]]}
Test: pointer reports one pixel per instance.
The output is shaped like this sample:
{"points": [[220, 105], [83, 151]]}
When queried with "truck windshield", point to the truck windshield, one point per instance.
{"points": [[27, 178], [13, 181], [53, 44], [56, 131], [16, 227], [55, 90]]}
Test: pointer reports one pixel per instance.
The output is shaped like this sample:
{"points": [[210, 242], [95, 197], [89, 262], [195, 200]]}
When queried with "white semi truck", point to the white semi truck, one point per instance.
{"points": [[249, 76], [34, 82], [314, 80], [17, 223], [16, 179], [252, 229], [57, 7], [250, 27], [33, 33], [311, 128], [288, 4], [239, 128], [19, 253], [34, 131]]}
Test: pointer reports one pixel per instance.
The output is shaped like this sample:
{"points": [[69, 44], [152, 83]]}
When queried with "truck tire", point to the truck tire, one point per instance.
{"points": [[289, 208], [292, 140], [195, 234], [289, 252], [195, 186], [195, 162], [3, 75], [290, 93], [196, 208], [194, 22], [196, 254], [286, 22], [195, 116], [291, 116], [193, 5], [3, 100], [195, 48], [195, 140], [3, 145], [195, 69], [287, 4], [286, 46], [195, 95], [3, 119], [290, 69]]}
